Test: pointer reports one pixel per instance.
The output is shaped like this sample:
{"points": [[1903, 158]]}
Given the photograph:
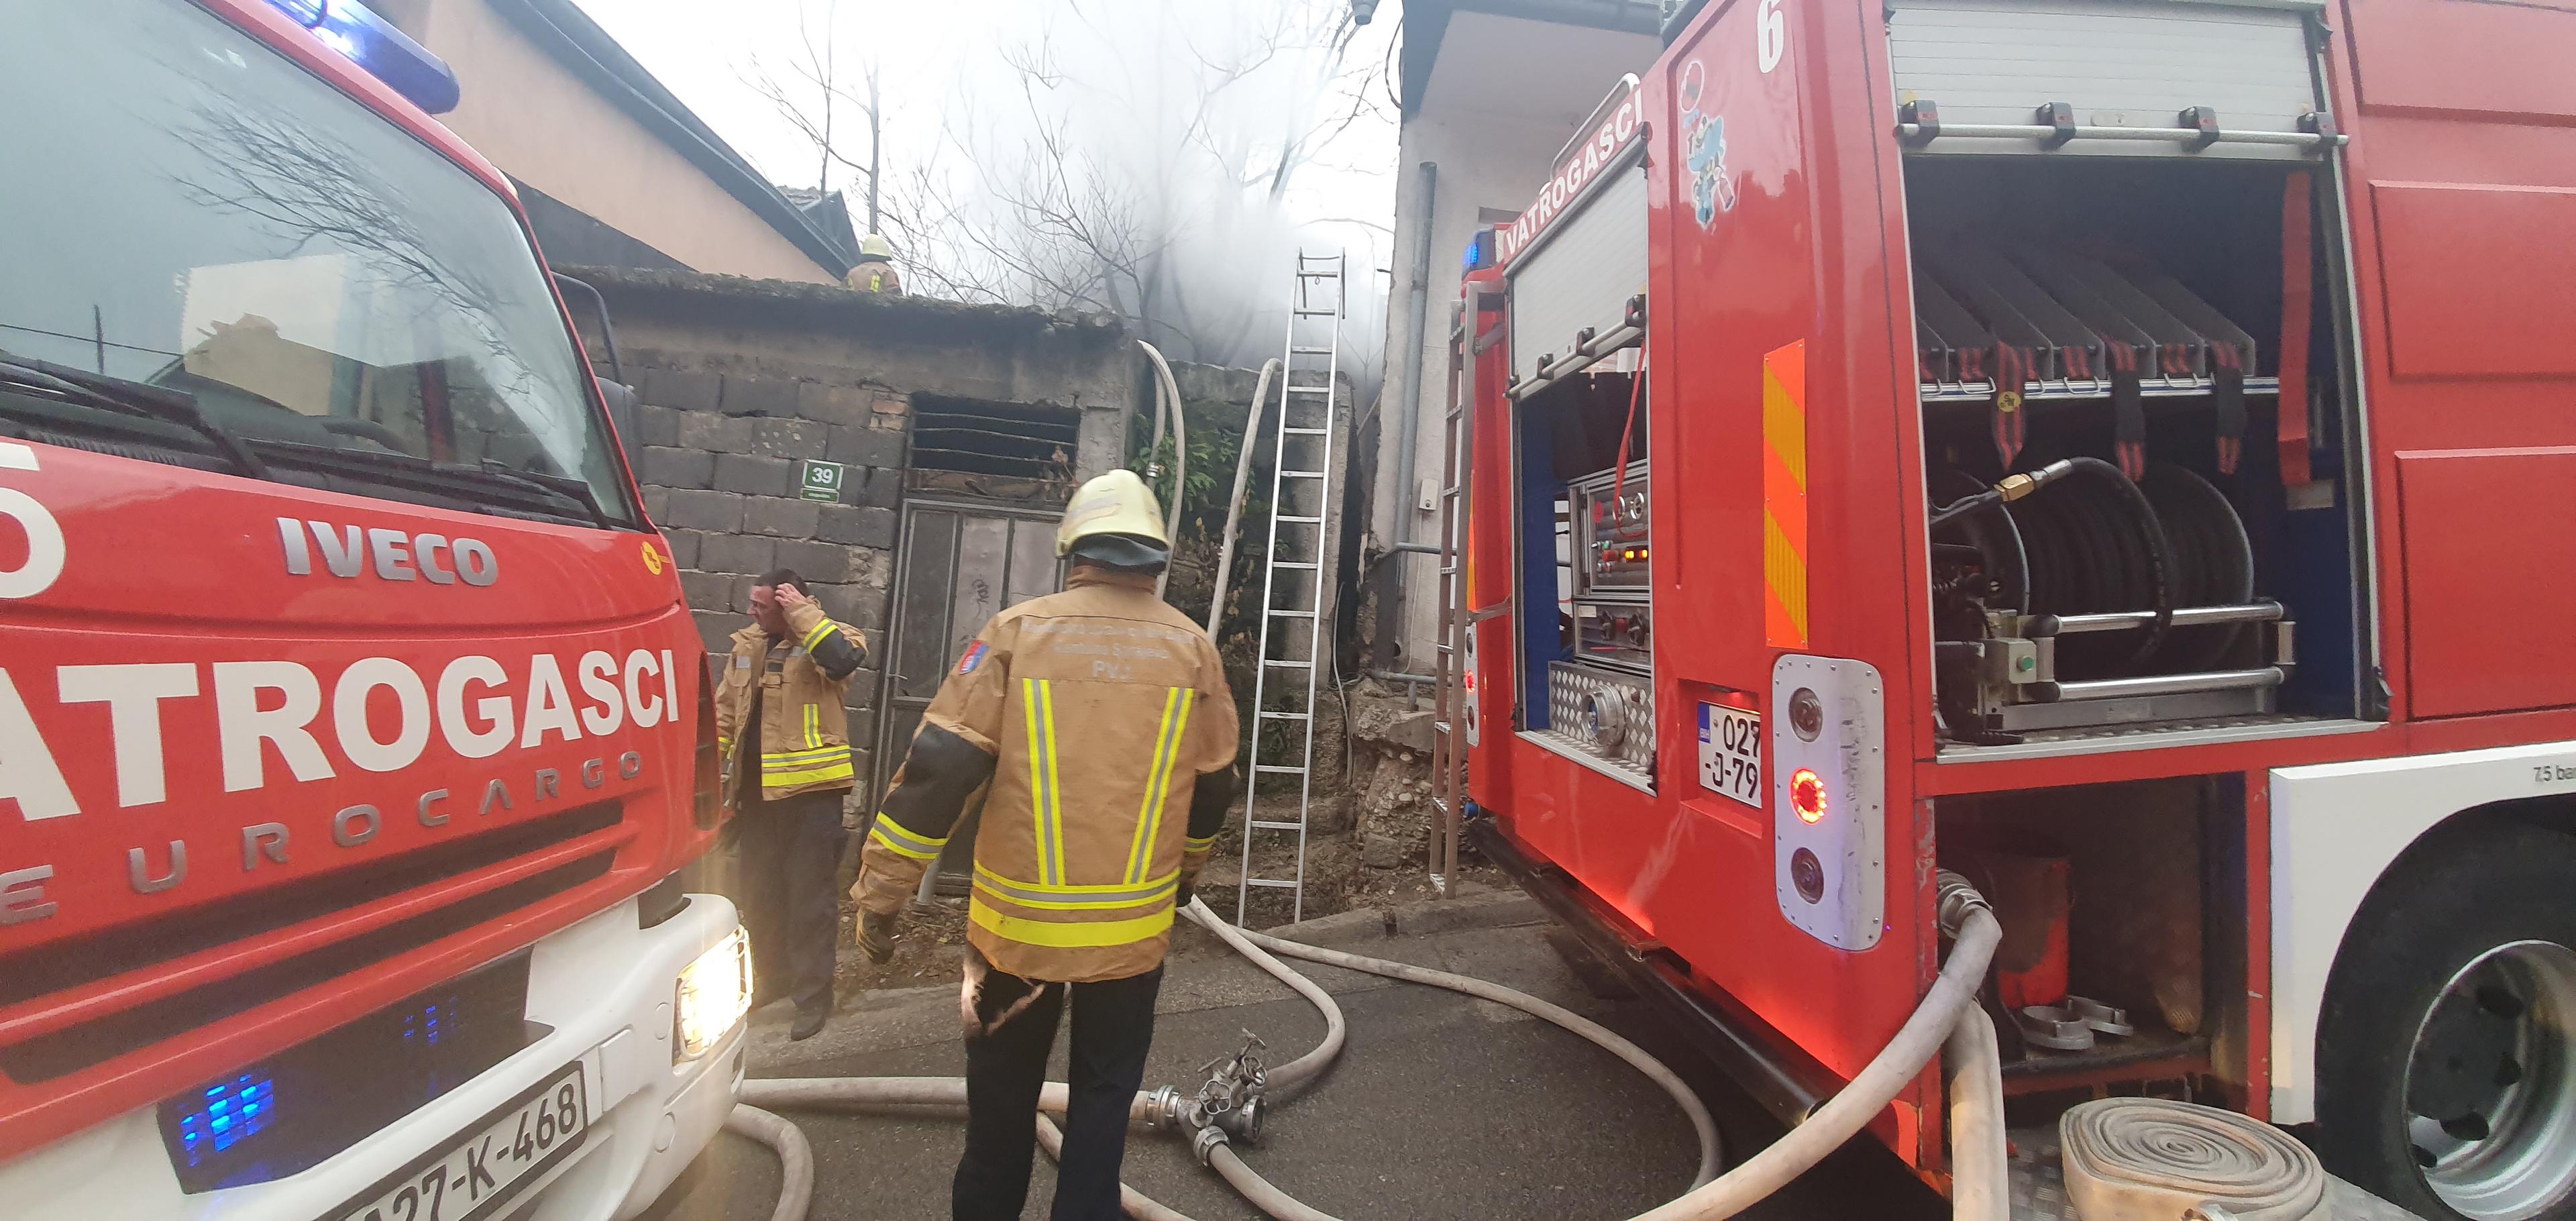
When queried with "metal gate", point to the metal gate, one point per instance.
{"points": [[959, 562]]}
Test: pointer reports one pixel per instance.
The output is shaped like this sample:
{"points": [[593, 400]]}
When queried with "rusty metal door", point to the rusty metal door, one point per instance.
{"points": [[959, 563]]}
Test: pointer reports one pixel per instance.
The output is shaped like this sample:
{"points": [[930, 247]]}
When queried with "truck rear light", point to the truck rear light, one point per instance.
{"points": [[1807, 795], [1828, 755], [709, 783]]}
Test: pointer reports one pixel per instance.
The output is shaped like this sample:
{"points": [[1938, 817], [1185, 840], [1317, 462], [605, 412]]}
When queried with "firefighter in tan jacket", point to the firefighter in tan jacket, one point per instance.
{"points": [[787, 680], [1102, 719]]}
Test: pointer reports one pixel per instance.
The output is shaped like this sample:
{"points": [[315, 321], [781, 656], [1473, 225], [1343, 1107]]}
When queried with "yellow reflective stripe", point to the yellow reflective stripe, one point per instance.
{"points": [[1055, 789], [1195, 844], [1141, 849], [821, 630], [1067, 935], [1159, 893], [906, 837], [878, 835], [813, 725], [803, 756], [1012, 887], [843, 770], [1162, 793], [1037, 771]]}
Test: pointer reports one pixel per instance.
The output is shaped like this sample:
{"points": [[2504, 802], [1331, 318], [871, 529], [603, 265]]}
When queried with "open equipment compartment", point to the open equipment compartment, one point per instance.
{"points": [[2125, 250], [1581, 486]]}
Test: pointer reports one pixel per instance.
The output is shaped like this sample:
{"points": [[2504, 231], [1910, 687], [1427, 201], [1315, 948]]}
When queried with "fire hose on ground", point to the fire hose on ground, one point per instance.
{"points": [[1948, 1014]]}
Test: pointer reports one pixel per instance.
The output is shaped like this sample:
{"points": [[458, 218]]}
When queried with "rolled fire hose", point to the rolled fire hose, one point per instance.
{"points": [[1234, 507], [1963, 914], [2123, 1155]]}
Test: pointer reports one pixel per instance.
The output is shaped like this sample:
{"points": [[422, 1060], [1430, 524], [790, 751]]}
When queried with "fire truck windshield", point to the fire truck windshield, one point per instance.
{"points": [[186, 207]]}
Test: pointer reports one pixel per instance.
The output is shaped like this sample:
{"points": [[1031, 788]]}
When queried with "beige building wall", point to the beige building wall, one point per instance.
{"points": [[546, 127], [1504, 97]]}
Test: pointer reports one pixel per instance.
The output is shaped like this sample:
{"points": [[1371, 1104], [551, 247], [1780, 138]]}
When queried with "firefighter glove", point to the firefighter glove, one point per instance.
{"points": [[876, 937]]}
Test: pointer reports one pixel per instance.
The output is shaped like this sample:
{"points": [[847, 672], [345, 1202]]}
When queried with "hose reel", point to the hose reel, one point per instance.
{"points": [[2062, 601]]}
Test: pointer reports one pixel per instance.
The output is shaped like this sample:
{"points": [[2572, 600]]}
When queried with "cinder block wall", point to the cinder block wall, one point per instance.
{"points": [[739, 380]]}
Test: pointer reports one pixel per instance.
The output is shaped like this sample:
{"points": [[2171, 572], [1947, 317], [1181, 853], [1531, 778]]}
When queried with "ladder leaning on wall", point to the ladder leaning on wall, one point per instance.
{"points": [[1293, 584]]}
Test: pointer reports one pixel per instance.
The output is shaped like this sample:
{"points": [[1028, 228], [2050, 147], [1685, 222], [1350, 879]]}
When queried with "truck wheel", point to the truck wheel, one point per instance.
{"points": [[2446, 1058]]}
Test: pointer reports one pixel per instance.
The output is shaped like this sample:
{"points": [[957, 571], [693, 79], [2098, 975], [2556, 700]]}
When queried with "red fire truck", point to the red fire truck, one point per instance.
{"points": [[352, 726], [2120, 451]]}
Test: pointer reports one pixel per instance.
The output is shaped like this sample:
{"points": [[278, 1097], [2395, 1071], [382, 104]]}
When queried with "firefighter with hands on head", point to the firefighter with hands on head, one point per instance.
{"points": [[1101, 718], [782, 724]]}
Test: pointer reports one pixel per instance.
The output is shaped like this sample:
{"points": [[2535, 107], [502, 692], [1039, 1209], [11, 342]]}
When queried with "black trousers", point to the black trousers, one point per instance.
{"points": [[791, 859], [1113, 1025]]}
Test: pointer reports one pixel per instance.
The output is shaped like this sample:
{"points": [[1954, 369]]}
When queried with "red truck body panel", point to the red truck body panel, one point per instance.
{"points": [[322, 880], [2460, 189]]}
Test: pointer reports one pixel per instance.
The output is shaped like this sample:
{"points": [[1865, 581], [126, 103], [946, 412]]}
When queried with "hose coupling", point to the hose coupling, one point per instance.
{"points": [[1955, 899], [1166, 1108], [1205, 1144], [1243, 1121]]}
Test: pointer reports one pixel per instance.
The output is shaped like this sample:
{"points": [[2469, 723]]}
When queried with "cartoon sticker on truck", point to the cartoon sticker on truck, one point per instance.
{"points": [[1704, 150]]}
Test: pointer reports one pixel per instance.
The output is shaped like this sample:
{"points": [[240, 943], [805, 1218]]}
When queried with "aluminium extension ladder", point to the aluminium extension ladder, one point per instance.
{"points": [[1293, 580], [1451, 712]]}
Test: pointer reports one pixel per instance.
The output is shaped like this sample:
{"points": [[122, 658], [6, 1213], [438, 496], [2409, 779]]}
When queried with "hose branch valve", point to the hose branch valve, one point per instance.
{"points": [[1955, 899], [1228, 1104]]}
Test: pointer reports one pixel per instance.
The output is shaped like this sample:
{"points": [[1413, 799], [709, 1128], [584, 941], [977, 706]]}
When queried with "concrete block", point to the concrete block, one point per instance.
{"points": [[680, 391], [716, 628], [655, 426], [657, 503], [861, 606], [822, 563], [759, 396], [781, 518], [675, 468], [682, 546], [863, 766], [709, 431], [717, 512], [872, 567], [711, 591], [828, 404], [889, 403], [752, 554], [753, 475], [789, 438], [863, 723], [884, 489], [866, 446], [858, 525]]}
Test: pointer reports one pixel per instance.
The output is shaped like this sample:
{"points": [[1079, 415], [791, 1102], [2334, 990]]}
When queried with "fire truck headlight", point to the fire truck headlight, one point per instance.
{"points": [[714, 994]]}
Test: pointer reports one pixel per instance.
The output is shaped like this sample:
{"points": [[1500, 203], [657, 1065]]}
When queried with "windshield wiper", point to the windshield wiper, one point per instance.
{"points": [[134, 398], [486, 477], [564, 485]]}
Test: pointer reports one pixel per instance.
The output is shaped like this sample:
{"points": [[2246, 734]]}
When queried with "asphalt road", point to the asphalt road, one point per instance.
{"points": [[1440, 1107]]}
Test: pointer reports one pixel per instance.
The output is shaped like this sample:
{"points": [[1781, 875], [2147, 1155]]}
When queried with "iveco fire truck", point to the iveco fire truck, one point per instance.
{"points": [[352, 727], [2123, 452]]}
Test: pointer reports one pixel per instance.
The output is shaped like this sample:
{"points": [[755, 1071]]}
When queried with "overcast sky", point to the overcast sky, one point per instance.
{"points": [[933, 57]]}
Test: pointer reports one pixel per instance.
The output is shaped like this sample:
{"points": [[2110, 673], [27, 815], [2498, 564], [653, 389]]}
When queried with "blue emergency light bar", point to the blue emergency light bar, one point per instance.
{"points": [[1480, 249], [372, 43]]}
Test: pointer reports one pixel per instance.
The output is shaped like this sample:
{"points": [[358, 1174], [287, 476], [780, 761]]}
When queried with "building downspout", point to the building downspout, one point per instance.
{"points": [[1417, 308]]}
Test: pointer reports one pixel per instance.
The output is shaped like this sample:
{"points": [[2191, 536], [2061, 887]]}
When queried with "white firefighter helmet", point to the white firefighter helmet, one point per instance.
{"points": [[875, 249], [1115, 519]]}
